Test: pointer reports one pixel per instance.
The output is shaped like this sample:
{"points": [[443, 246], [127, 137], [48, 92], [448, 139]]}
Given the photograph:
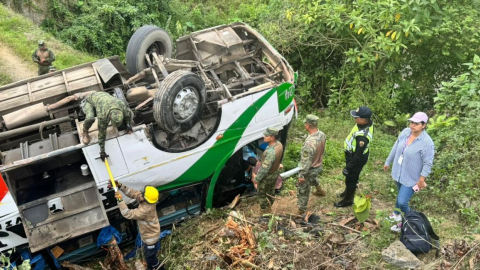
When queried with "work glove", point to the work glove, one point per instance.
{"points": [[129, 129], [119, 185], [345, 171], [118, 196], [103, 156]]}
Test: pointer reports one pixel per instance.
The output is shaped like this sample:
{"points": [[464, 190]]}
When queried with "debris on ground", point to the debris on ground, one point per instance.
{"points": [[460, 255], [114, 259], [398, 255], [71, 266], [246, 239], [139, 265]]}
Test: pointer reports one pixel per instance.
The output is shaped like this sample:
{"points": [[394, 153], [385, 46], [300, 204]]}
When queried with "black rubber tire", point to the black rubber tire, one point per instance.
{"points": [[165, 97], [140, 42]]}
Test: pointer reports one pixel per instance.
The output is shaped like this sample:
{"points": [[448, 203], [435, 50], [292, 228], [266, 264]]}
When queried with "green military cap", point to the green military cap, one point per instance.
{"points": [[116, 116], [311, 120], [41, 43], [271, 131]]}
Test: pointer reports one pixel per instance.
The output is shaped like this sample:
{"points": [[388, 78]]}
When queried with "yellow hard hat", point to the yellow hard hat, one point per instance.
{"points": [[151, 194]]}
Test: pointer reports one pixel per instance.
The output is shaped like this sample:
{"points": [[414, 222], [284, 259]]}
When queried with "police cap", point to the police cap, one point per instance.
{"points": [[361, 112]]}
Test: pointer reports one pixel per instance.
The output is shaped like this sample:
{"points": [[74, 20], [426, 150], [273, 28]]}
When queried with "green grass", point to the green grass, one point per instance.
{"points": [[5, 79], [21, 35], [373, 181]]}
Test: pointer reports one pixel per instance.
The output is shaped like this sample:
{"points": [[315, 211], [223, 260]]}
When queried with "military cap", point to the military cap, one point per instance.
{"points": [[271, 131], [116, 116], [41, 43], [361, 112], [311, 120]]}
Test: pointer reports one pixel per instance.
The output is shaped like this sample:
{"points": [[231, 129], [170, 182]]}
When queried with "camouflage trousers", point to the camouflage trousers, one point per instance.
{"points": [[43, 70], [303, 189], [266, 190]]}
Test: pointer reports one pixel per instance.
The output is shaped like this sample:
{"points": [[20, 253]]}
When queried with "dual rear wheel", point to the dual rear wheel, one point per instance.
{"points": [[180, 98]]}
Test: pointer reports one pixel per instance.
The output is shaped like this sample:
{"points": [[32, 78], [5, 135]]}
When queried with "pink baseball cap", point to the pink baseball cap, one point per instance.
{"points": [[419, 117]]}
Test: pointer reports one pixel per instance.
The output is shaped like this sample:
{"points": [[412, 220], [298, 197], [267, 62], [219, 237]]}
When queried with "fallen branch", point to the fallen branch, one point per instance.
{"points": [[234, 202], [103, 267], [246, 263], [353, 230], [209, 231], [114, 258], [463, 257], [72, 266], [163, 262], [244, 220]]}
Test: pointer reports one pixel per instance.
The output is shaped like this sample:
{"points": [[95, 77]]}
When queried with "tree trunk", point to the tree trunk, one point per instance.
{"points": [[114, 258]]}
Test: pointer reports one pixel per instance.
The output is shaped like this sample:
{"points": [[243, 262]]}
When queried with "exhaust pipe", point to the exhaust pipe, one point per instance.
{"points": [[18, 131]]}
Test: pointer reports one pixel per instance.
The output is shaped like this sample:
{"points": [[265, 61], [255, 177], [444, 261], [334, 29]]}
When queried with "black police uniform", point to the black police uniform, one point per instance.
{"points": [[354, 161]]}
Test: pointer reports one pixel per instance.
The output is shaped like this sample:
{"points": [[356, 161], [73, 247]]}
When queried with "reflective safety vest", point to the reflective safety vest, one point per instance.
{"points": [[350, 143]]}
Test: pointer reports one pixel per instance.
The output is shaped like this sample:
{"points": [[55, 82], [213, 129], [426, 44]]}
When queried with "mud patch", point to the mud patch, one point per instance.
{"points": [[14, 67]]}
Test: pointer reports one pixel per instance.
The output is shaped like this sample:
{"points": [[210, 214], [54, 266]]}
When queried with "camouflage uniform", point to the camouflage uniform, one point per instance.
{"points": [[311, 163], [46, 55], [106, 108], [269, 171]]}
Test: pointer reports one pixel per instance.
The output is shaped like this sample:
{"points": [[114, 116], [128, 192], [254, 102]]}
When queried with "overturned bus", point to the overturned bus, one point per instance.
{"points": [[193, 115]]}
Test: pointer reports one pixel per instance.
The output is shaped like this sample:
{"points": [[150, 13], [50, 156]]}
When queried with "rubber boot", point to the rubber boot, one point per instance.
{"points": [[85, 137], [319, 192], [348, 199], [341, 195]]}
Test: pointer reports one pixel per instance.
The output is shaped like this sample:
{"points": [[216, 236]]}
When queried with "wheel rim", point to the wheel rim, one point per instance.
{"points": [[156, 47], [185, 104]]}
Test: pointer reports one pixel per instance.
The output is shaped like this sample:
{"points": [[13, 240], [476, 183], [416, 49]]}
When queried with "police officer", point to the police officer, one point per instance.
{"points": [[147, 219], [44, 57], [269, 170], [356, 148], [311, 163], [107, 108]]}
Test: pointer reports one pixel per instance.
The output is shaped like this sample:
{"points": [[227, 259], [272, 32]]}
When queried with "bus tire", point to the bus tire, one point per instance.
{"points": [[179, 101], [145, 40]]}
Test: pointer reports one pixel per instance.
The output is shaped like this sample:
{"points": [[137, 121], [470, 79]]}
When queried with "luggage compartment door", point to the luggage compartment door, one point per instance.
{"points": [[62, 216]]}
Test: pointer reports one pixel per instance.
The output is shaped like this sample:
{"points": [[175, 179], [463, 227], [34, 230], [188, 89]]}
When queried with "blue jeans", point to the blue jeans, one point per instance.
{"points": [[404, 195]]}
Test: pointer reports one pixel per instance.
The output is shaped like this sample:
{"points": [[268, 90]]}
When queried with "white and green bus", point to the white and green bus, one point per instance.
{"points": [[193, 117]]}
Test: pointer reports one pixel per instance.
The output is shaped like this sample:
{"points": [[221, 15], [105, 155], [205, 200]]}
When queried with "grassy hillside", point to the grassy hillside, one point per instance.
{"points": [[20, 35]]}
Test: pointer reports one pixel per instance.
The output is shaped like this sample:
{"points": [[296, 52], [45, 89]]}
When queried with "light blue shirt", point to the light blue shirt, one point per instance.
{"points": [[417, 158]]}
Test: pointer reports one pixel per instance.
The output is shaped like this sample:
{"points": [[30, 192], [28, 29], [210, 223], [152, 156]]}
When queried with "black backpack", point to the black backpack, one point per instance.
{"points": [[417, 234]]}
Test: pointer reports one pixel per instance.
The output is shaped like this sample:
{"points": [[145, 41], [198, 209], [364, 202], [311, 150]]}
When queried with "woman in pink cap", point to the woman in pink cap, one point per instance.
{"points": [[412, 159]]}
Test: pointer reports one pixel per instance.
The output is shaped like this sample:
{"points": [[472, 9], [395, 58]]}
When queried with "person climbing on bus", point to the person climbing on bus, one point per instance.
{"points": [[107, 108]]}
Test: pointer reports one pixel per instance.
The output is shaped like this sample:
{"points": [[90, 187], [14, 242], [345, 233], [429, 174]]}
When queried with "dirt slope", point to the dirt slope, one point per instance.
{"points": [[14, 67]]}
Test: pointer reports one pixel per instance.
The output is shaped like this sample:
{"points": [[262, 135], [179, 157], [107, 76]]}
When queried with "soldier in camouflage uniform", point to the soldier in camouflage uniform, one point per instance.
{"points": [[311, 163], [107, 108], [268, 173], [44, 57]]}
